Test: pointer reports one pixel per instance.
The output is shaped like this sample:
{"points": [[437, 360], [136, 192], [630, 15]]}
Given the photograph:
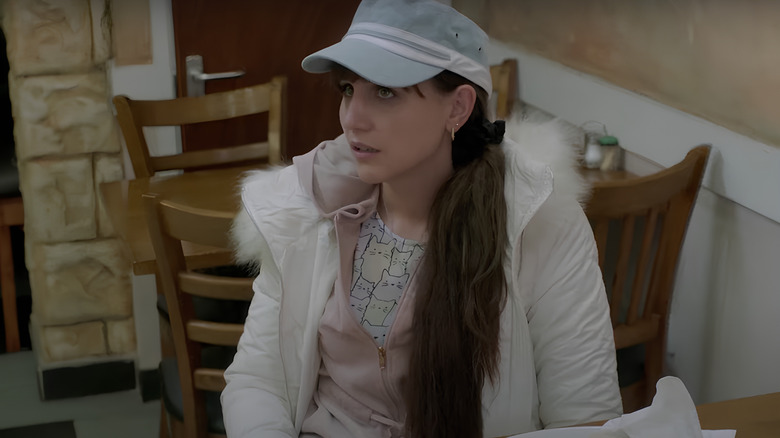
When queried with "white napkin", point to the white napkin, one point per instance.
{"points": [[672, 414]]}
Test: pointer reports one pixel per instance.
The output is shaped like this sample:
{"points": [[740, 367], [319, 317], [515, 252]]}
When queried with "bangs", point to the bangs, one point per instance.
{"points": [[340, 73]]}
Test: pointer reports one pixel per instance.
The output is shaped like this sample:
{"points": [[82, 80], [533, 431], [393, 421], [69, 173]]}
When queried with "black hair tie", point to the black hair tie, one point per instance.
{"points": [[493, 131], [472, 139]]}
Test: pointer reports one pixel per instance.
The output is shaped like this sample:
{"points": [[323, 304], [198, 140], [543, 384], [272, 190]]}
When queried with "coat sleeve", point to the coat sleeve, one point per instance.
{"points": [[568, 316], [255, 402]]}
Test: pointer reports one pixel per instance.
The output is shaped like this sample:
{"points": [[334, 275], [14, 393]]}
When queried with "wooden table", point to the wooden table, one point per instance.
{"points": [[752, 417], [597, 175], [212, 189]]}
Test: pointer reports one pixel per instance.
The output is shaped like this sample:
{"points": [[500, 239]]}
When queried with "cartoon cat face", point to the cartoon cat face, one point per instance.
{"points": [[398, 262], [377, 332], [376, 259], [377, 311], [390, 286], [377, 249], [359, 304], [417, 254], [362, 288], [372, 226]]}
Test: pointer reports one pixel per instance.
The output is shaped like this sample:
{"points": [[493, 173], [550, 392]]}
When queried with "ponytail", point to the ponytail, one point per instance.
{"points": [[462, 285]]}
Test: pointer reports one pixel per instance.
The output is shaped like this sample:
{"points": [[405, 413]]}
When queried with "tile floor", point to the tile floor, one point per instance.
{"points": [[115, 415]]}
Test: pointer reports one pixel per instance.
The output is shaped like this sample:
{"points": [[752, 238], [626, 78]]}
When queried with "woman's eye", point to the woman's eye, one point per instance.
{"points": [[385, 93], [347, 90]]}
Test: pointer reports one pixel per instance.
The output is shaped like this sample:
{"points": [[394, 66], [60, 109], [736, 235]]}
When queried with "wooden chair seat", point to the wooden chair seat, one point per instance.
{"points": [[639, 225]]}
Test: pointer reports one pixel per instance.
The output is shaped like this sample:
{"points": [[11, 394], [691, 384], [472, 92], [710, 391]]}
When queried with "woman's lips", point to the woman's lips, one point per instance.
{"points": [[362, 152], [360, 147]]}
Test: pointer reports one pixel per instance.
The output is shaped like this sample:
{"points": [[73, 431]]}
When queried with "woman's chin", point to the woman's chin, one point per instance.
{"points": [[370, 177]]}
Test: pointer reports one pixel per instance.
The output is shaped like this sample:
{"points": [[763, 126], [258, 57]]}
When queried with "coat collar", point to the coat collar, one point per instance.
{"points": [[282, 203]]}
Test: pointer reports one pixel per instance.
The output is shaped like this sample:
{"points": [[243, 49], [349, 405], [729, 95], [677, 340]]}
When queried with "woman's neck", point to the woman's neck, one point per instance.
{"points": [[405, 203]]}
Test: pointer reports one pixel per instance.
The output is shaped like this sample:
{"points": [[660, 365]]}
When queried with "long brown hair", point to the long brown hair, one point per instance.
{"points": [[462, 285]]}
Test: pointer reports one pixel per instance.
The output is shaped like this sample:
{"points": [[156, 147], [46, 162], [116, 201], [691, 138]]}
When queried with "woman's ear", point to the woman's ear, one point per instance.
{"points": [[462, 104]]}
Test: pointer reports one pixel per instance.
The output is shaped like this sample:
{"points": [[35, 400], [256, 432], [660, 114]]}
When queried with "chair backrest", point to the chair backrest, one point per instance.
{"points": [[134, 115], [504, 77], [170, 224], [639, 225]]}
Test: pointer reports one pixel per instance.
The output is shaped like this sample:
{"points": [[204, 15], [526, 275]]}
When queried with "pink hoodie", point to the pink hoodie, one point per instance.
{"points": [[360, 386]]}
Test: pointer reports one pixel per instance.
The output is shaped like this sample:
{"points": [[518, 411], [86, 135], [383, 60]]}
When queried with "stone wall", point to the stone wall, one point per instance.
{"points": [[67, 143]]}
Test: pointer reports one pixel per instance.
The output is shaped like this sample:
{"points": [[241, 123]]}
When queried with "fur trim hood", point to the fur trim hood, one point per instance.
{"points": [[285, 201]]}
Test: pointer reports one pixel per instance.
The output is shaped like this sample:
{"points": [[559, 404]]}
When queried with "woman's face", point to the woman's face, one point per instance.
{"points": [[396, 134]]}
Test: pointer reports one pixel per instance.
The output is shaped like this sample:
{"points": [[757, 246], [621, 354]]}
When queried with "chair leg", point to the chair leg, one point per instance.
{"points": [[634, 396], [8, 290], [163, 420], [654, 367], [177, 428]]}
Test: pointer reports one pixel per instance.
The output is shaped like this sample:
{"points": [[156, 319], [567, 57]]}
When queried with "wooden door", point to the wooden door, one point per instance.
{"points": [[264, 38]]}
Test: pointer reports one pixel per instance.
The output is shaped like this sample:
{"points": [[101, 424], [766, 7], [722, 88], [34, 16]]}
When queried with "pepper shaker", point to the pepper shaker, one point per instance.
{"points": [[611, 153]]}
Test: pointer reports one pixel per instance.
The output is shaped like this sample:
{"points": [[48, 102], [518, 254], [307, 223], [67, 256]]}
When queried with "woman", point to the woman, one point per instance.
{"points": [[419, 276]]}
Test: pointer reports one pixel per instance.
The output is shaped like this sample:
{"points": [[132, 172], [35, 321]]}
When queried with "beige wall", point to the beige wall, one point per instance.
{"points": [[717, 59]]}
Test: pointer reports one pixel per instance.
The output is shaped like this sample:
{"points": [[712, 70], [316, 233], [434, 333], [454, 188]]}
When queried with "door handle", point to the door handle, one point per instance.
{"points": [[196, 78]]}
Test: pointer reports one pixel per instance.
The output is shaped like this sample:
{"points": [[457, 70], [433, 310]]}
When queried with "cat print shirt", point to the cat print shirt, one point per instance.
{"points": [[382, 266]]}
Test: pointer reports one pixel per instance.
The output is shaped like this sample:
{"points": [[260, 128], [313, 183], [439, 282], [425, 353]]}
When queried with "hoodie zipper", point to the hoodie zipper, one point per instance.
{"points": [[382, 351], [382, 357]]}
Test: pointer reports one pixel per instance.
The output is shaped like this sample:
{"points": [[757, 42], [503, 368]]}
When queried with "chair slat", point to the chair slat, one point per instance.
{"points": [[212, 286], [641, 331], [206, 108], [133, 115], [187, 223], [215, 333], [208, 260], [212, 157], [642, 267], [621, 269], [209, 379], [504, 80], [601, 232], [277, 123], [657, 280]]}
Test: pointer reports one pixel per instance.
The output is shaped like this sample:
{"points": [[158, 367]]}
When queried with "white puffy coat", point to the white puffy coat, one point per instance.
{"points": [[557, 353]]}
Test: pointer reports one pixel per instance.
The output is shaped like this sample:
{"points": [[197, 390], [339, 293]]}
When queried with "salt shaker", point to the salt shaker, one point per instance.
{"points": [[593, 154]]}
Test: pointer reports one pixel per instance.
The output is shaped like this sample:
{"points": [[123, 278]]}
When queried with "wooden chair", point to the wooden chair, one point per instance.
{"points": [[193, 379], [504, 77], [270, 97], [134, 115], [11, 214], [639, 225]]}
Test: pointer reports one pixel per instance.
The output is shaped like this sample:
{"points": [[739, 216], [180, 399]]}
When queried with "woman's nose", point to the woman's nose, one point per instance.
{"points": [[353, 113]]}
